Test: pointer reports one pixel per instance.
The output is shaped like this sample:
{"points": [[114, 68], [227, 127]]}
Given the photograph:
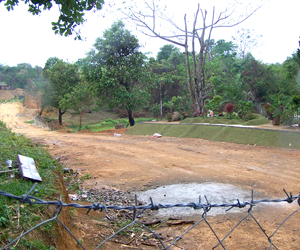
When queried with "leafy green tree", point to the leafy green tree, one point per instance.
{"points": [[71, 12], [47, 92], [63, 77], [79, 99], [257, 80], [155, 110], [118, 70], [168, 81], [214, 104], [292, 68], [173, 104], [165, 52], [224, 49], [176, 58]]}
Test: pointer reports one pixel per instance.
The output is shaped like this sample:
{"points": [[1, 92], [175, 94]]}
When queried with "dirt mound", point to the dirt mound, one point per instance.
{"points": [[10, 94], [40, 122], [32, 102], [54, 125]]}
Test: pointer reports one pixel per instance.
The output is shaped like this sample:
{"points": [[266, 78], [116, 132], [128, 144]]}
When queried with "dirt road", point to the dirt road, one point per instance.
{"points": [[138, 163]]}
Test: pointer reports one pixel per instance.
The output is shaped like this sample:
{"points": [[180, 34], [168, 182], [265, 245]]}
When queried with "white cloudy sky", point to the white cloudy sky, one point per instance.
{"points": [[25, 38]]}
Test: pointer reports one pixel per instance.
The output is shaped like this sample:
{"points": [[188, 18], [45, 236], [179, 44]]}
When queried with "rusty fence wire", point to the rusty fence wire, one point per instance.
{"points": [[136, 211]]}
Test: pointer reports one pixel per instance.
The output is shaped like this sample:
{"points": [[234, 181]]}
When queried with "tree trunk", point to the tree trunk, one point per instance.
{"points": [[160, 100], [130, 118], [80, 119], [276, 120], [188, 70], [60, 114], [41, 112]]}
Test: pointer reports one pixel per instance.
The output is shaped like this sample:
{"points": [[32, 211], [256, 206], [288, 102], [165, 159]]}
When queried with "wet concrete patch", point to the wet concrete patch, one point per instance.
{"points": [[216, 193]]}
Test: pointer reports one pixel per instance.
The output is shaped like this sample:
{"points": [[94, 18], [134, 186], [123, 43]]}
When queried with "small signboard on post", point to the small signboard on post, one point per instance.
{"points": [[28, 168]]}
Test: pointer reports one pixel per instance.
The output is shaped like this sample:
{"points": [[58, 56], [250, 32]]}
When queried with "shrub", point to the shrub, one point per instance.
{"points": [[244, 109], [169, 117], [156, 110], [229, 108], [249, 117], [269, 110], [214, 104]]}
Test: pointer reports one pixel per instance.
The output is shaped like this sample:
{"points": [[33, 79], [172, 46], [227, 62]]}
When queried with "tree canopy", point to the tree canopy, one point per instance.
{"points": [[71, 12], [121, 76], [165, 52], [79, 100], [62, 77], [21, 75]]}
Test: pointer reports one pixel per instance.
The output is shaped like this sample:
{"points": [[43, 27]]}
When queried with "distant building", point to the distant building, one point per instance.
{"points": [[3, 86]]}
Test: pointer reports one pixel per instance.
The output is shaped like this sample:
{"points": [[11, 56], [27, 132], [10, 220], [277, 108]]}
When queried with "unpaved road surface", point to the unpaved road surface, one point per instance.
{"points": [[138, 163]]}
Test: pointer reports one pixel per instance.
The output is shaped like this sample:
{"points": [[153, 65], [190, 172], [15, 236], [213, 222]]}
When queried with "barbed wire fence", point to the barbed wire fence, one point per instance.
{"points": [[137, 210]]}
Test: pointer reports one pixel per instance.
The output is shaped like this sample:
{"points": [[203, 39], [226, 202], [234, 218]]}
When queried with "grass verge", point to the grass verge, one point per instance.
{"points": [[258, 120], [107, 124], [12, 224], [218, 133]]}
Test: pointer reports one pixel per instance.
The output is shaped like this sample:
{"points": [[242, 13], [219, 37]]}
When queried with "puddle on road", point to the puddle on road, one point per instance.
{"points": [[216, 193]]}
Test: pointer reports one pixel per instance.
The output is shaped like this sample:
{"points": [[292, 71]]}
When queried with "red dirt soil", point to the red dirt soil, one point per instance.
{"points": [[135, 163]]}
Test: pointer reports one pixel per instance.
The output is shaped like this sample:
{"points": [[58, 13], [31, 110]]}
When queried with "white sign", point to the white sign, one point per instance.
{"points": [[28, 169]]}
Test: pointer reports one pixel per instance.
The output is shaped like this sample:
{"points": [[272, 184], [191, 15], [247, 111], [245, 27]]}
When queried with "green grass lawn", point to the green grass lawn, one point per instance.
{"points": [[107, 124]]}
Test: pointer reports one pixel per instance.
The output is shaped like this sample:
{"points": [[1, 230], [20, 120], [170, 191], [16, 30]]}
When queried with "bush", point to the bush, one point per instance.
{"points": [[249, 117], [229, 108], [169, 117], [156, 110], [244, 109]]}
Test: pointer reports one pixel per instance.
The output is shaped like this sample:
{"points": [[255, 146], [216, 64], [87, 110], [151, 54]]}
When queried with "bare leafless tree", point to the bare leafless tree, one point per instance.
{"points": [[246, 40], [198, 36]]}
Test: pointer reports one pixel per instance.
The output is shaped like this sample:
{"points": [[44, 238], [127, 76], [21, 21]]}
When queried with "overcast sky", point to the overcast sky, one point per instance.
{"points": [[25, 38]]}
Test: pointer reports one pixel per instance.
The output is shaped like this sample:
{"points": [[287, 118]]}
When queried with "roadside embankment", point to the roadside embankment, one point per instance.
{"points": [[243, 135]]}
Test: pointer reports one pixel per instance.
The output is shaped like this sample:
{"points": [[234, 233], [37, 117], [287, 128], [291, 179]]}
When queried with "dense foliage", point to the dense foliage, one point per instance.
{"points": [[21, 75]]}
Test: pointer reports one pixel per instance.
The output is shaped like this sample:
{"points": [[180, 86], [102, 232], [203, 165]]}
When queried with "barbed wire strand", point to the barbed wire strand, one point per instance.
{"points": [[27, 198], [249, 212]]}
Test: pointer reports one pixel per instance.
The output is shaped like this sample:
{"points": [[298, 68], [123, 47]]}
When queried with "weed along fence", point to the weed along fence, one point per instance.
{"points": [[200, 233]]}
